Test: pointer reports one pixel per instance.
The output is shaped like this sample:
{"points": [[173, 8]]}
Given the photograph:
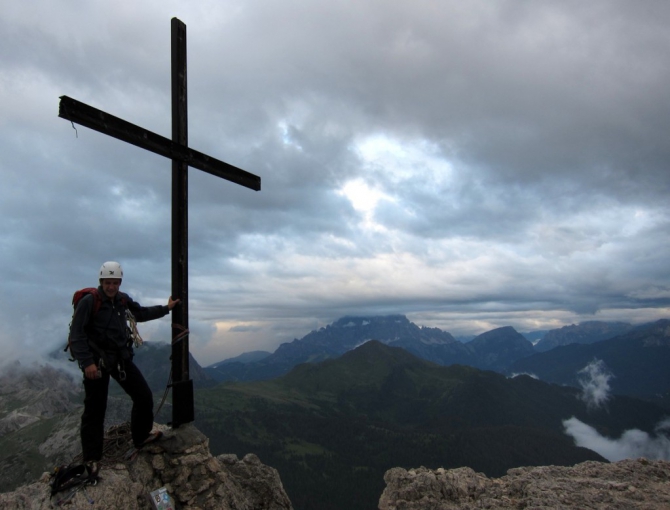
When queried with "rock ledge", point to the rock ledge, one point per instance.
{"points": [[628, 484], [182, 463]]}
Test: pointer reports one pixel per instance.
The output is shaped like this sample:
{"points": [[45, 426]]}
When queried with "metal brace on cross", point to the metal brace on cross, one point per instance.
{"points": [[182, 157]]}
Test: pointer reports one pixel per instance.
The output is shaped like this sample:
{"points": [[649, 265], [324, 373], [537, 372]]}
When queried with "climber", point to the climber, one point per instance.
{"points": [[99, 342]]}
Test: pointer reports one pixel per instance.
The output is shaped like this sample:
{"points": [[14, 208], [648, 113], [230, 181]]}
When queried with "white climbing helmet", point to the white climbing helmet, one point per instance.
{"points": [[111, 270]]}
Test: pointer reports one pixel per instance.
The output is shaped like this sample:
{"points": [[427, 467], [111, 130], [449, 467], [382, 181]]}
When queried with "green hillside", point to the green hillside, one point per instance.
{"points": [[332, 429]]}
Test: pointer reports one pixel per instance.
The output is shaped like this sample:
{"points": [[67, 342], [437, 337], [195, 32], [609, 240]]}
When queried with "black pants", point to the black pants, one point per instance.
{"points": [[95, 406]]}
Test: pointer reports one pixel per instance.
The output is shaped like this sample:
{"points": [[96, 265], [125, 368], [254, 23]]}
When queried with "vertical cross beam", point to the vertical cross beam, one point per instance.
{"points": [[182, 386], [182, 157]]}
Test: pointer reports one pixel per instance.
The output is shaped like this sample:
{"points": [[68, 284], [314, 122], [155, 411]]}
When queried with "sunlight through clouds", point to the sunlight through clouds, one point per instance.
{"points": [[363, 198], [400, 161], [396, 174]]}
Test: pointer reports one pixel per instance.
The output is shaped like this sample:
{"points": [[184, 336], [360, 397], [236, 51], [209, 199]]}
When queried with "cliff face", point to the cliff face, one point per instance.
{"points": [[182, 463], [628, 484]]}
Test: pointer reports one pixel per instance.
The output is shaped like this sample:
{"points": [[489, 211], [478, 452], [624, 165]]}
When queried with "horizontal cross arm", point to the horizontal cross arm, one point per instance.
{"points": [[76, 111]]}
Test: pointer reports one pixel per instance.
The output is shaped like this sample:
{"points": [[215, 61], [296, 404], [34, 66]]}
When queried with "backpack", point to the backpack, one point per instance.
{"points": [[67, 477], [81, 293], [97, 303]]}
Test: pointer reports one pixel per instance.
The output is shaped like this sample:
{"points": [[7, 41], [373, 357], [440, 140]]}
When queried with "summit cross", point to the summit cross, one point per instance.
{"points": [[182, 157]]}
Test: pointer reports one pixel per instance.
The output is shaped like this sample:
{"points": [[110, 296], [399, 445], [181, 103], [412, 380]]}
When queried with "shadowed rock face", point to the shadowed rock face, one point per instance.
{"points": [[628, 484], [182, 463]]}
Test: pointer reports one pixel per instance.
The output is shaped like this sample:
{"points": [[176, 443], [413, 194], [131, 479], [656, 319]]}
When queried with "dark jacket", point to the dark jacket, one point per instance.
{"points": [[106, 334]]}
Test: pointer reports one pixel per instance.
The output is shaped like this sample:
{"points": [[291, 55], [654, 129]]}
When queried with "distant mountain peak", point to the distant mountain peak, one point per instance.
{"points": [[499, 333], [359, 321], [378, 352], [497, 348], [583, 333]]}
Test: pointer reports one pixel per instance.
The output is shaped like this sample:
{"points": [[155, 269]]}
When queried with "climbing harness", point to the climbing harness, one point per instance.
{"points": [[120, 367]]}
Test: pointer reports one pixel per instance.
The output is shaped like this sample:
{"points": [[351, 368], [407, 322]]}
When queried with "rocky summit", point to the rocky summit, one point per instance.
{"points": [[628, 484], [182, 465]]}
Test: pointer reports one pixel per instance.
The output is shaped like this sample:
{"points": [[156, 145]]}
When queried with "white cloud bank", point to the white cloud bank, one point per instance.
{"points": [[632, 444]]}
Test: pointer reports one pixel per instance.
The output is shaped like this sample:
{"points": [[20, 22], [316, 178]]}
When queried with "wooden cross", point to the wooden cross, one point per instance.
{"points": [[182, 157]]}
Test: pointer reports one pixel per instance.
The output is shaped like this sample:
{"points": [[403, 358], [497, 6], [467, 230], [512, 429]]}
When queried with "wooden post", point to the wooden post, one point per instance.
{"points": [[182, 394]]}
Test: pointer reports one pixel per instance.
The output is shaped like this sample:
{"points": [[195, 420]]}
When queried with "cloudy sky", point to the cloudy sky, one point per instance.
{"points": [[468, 164]]}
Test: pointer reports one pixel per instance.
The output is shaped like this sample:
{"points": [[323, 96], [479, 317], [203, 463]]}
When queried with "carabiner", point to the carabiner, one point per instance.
{"points": [[122, 373]]}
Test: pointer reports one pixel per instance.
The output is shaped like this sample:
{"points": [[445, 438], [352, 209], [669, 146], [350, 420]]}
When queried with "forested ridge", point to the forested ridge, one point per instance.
{"points": [[332, 429]]}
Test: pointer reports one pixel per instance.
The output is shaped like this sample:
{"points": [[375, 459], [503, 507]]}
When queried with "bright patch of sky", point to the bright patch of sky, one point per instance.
{"points": [[286, 137], [395, 161], [392, 169], [363, 198]]}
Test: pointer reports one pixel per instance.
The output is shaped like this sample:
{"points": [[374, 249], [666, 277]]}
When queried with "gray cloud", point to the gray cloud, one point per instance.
{"points": [[471, 165]]}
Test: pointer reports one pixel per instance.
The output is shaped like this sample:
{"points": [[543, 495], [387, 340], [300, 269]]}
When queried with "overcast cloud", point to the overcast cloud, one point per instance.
{"points": [[469, 164]]}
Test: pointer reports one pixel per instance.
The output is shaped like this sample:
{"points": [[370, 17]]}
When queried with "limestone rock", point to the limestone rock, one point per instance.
{"points": [[628, 484], [182, 463]]}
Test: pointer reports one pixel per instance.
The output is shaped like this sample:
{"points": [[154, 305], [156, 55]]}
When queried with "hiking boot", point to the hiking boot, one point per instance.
{"points": [[93, 469], [154, 436]]}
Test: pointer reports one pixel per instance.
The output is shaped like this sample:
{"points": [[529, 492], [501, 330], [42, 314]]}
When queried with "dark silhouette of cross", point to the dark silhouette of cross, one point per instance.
{"points": [[182, 157]]}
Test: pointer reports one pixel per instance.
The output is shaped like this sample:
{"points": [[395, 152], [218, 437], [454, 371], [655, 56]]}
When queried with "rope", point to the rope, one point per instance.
{"points": [[134, 333], [118, 439], [165, 393], [183, 334]]}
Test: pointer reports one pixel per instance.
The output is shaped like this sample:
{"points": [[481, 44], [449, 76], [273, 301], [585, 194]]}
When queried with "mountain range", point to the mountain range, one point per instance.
{"points": [[358, 396], [490, 351], [499, 349], [584, 333], [343, 422], [635, 363]]}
